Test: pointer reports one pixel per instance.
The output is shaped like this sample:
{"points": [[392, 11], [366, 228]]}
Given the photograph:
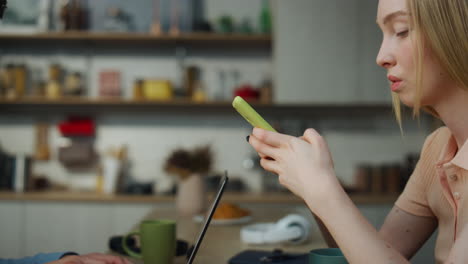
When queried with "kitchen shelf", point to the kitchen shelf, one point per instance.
{"points": [[82, 105], [267, 198], [260, 40]]}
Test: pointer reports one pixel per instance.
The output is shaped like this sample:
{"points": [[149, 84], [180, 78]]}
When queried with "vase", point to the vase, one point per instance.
{"points": [[191, 196]]}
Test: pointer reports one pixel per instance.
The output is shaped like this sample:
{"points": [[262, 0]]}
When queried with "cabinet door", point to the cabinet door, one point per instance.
{"points": [[82, 228], [11, 221], [126, 217], [316, 51]]}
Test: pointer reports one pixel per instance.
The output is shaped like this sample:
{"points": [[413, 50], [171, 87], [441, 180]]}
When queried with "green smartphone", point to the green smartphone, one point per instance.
{"points": [[250, 114]]}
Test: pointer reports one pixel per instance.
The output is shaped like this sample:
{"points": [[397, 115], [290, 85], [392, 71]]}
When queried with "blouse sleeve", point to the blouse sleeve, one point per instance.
{"points": [[414, 197]]}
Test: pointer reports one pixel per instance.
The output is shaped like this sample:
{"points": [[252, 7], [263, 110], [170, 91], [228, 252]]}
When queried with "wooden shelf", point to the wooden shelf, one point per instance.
{"points": [[83, 105], [81, 101], [98, 106], [267, 198], [138, 38], [81, 35]]}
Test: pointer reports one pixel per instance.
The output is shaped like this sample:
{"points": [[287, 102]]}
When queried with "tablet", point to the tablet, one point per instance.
{"points": [[208, 217]]}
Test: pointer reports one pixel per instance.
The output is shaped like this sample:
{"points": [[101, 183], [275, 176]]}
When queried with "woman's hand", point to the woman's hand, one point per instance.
{"points": [[93, 258], [304, 164]]}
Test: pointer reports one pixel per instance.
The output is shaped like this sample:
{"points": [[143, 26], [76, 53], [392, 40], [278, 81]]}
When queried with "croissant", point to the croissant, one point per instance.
{"points": [[229, 211]]}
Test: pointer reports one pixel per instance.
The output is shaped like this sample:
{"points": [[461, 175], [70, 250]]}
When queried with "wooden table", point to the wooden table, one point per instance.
{"points": [[222, 242]]}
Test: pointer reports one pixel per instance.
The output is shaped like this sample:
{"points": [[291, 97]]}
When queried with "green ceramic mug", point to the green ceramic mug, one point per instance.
{"points": [[157, 239], [327, 256]]}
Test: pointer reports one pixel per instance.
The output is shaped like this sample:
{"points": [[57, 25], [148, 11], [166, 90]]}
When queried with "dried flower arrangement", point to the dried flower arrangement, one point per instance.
{"points": [[183, 163]]}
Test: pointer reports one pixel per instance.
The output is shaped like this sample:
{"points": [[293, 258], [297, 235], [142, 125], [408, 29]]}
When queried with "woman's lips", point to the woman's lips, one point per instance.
{"points": [[395, 86], [395, 82]]}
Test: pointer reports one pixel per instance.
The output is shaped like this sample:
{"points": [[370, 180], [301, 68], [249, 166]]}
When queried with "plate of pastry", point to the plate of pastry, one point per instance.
{"points": [[227, 214]]}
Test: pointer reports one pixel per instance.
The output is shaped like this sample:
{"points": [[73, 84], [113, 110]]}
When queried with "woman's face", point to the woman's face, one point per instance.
{"points": [[396, 55]]}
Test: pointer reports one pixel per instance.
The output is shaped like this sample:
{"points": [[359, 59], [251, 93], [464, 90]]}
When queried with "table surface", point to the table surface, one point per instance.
{"points": [[259, 198], [221, 242]]}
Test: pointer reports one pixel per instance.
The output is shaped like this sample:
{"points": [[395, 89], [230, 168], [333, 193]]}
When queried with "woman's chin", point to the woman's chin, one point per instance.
{"points": [[406, 100]]}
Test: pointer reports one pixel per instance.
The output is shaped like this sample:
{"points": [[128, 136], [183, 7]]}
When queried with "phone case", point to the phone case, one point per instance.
{"points": [[250, 114]]}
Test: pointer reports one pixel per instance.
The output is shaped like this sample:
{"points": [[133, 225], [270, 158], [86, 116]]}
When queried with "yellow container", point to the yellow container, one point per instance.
{"points": [[160, 90]]}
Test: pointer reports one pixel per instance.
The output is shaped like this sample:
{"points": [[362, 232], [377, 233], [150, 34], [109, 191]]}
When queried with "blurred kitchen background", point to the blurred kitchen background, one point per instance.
{"points": [[98, 96]]}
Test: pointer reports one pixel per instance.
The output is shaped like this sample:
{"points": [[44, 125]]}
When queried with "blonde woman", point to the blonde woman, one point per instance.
{"points": [[425, 53]]}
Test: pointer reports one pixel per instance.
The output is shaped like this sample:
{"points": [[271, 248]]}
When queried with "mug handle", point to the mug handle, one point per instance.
{"points": [[127, 250]]}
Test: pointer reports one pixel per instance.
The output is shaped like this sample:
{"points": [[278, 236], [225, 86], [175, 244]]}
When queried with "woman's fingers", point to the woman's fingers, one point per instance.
{"points": [[264, 150], [273, 139], [270, 165], [311, 135]]}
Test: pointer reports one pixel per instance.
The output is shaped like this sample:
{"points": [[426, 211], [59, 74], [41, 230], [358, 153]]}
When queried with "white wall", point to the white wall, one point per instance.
{"points": [[152, 136], [325, 52], [150, 140]]}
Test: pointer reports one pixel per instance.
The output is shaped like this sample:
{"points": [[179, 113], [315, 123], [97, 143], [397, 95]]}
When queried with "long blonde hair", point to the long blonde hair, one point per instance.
{"points": [[441, 26]]}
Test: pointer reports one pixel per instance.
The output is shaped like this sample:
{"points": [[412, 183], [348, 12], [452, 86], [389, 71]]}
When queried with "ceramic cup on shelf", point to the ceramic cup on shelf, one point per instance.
{"points": [[158, 90], [191, 195]]}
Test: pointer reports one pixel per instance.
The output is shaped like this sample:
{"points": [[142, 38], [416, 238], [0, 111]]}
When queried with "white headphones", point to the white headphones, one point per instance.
{"points": [[292, 228]]}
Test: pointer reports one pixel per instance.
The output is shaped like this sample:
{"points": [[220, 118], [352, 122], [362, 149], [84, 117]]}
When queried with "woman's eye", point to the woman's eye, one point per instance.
{"points": [[402, 33]]}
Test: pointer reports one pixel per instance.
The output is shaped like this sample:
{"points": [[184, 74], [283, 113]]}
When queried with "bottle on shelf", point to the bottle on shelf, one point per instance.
{"points": [[74, 84], [42, 151], [138, 90], [54, 87], [175, 14], [156, 23], [180, 85], [221, 86], [266, 90], [191, 76], [265, 18], [37, 82], [9, 81], [73, 15], [20, 80], [2, 82], [199, 94], [13, 81]]}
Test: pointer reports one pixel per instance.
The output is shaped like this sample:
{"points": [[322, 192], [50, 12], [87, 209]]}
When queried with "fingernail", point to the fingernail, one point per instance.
{"points": [[247, 138]]}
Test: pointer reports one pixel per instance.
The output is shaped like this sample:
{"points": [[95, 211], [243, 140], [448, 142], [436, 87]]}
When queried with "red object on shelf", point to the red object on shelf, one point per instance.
{"points": [[77, 127], [247, 92]]}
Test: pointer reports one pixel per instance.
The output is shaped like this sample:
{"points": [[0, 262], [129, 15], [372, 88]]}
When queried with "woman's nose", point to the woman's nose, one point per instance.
{"points": [[385, 57]]}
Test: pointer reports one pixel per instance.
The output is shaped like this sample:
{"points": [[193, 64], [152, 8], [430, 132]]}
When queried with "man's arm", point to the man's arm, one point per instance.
{"points": [[68, 258], [36, 259]]}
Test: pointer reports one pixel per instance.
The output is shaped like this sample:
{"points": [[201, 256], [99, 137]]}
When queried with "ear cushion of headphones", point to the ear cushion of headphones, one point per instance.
{"points": [[255, 234], [292, 228], [296, 225]]}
